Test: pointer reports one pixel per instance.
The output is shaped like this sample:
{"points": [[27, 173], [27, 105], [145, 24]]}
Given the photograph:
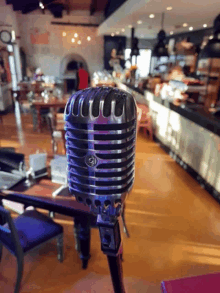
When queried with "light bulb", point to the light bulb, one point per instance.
{"points": [[123, 30], [64, 34], [88, 38], [185, 24], [152, 15], [190, 28], [204, 25], [79, 42], [139, 22], [75, 35], [13, 37], [41, 5], [73, 40], [171, 33], [117, 33], [112, 34], [169, 8]]}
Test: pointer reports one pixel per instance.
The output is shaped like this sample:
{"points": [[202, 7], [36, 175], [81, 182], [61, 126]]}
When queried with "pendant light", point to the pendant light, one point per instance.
{"points": [[135, 50], [212, 49], [160, 49]]}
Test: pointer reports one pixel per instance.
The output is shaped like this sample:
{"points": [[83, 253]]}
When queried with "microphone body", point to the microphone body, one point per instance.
{"points": [[100, 145]]}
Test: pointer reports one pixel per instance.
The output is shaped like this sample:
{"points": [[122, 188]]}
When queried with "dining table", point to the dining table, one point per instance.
{"points": [[52, 103], [43, 194]]}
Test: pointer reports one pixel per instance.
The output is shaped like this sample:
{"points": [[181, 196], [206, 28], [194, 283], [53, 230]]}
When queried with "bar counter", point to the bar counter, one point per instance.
{"points": [[189, 134]]}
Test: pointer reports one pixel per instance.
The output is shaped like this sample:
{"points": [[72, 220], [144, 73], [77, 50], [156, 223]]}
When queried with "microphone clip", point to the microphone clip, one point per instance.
{"points": [[110, 236]]}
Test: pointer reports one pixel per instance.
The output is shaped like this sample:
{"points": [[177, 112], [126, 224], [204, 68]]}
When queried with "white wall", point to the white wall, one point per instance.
{"points": [[49, 56], [8, 16]]}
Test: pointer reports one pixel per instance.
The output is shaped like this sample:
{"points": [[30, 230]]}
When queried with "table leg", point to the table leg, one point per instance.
{"points": [[2, 220], [82, 233], [38, 119], [63, 139]]}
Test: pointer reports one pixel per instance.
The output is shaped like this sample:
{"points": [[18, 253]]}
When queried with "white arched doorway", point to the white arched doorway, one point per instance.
{"points": [[68, 71]]}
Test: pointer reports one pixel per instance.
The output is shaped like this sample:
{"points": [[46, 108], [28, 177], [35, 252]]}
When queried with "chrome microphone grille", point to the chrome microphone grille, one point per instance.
{"points": [[100, 145]]}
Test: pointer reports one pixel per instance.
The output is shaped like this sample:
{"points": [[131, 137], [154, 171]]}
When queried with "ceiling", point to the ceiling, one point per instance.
{"points": [[195, 13], [27, 6], [85, 4]]}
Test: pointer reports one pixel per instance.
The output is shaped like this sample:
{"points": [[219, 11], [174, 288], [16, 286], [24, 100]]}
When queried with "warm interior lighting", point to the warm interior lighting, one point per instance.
{"points": [[123, 30], [211, 37], [64, 34], [204, 25], [13, 36], [185, 24], [117, 33], [41, 5], [169, 8], [139, 22], [75, 35], [171, 33], [112, 35], [88, 38], [79, 42], [130, 26], [190, 28], [73, 40], [151, 15]]}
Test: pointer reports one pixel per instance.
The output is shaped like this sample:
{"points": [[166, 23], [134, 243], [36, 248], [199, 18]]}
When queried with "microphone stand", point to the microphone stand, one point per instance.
{"points": [[111, 245]]}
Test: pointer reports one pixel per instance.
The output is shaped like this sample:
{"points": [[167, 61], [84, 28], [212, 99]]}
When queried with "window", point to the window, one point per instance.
{"points": [[143, 61]]}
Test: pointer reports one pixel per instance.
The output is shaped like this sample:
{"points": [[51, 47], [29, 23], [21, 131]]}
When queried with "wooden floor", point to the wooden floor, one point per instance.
{"points": [[174, 226]]}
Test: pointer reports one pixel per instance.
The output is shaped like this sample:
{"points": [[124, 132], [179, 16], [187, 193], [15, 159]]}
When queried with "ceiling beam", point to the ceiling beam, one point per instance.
{"points": [[74, 24], [93, 7]]}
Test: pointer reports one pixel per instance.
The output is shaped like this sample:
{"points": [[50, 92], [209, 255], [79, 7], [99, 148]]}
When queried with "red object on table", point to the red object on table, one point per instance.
{"points": [[198, 284]]}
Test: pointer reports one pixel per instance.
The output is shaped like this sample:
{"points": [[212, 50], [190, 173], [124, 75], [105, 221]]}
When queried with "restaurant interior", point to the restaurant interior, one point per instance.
{"points": [[166, 55]]}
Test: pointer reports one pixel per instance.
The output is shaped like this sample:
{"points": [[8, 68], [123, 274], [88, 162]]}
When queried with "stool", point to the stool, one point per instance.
{"points": [[144, 119]]}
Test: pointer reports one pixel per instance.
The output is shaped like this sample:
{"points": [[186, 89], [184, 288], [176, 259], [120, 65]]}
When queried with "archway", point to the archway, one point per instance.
{"points": [[68, 71]]}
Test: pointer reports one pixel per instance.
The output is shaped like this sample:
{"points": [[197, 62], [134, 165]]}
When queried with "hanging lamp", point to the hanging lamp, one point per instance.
{"points": [[160, 49], [212, 49]]}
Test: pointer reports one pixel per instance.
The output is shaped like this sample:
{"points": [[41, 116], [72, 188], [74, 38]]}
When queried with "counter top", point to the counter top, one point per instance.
{"points": [[194, 113]]}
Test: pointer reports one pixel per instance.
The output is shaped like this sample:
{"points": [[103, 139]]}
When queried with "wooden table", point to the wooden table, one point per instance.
{"points": [[52, 103], [39, 195]]}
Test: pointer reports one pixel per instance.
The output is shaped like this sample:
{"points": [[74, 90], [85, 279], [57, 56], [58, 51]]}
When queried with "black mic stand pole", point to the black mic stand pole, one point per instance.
{"points": [[111, 245]]}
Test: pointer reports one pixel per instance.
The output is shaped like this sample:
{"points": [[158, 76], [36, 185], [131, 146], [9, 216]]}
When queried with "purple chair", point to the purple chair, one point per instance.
{"points": [[27, 231]]}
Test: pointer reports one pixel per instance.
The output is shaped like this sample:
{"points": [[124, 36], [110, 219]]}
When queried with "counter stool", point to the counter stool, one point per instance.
{"points": [[144, 120]]}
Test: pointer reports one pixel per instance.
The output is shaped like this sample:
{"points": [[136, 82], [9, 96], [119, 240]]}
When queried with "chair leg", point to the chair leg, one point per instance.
{"points": [[20, 263], [124, 223], [60, 248], [76, 231], [54, 146], [1, 248]]}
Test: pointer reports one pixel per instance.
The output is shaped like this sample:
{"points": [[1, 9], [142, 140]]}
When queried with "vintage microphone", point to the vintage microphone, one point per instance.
{"points": [[100, 146]]}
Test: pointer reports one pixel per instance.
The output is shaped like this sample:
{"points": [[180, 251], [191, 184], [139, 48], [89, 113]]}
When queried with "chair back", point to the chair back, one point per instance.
{"points": [[8, 233], [144, 112], [51, 123]]}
